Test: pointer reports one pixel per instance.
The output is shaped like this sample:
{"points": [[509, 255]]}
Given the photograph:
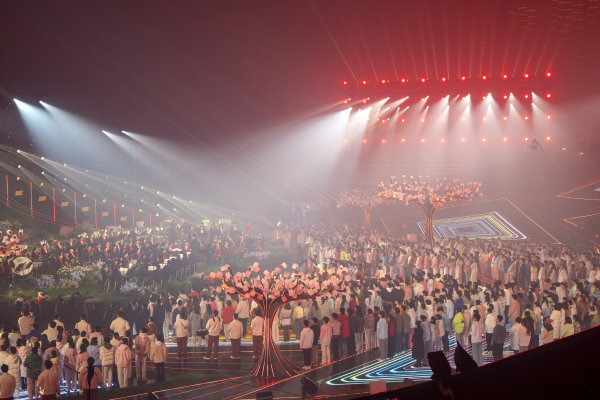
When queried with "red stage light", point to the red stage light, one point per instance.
{"points": [[423, 140], [463, 78], [526, 75], [548, 116], [402, 140], [484, 77], [443, 140], [382, 140], [422, 119], [505, 139], [548, 138], [345, 82], [402, 120], [484, 140], [383, 81], [526, 139], [364, 101], [422, 98], [403, 80], [443, 79], [548, 74], [463, 140], [483, 118], [423, 80], [548, 95], [526, 96], [505, 118], [505, 97], [505, 76], [526, 118], [483, 97], [364, 140], [364, 82]]}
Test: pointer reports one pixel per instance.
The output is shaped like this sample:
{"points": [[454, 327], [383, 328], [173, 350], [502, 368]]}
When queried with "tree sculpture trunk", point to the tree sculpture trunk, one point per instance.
{"points": [[429, 211], [367, 211], [272, 364]]}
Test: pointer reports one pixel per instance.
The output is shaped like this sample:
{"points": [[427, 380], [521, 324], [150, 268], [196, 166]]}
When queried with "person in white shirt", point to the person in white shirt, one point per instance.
{"points": [[213, 326], [235, 335], [51, 333], [118, 325], [257, 326], [382, 335], [476, 339], [84, 326], [306, 343], [490, 324]]}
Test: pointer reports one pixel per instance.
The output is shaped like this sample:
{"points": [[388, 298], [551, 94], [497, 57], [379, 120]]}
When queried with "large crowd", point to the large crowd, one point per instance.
{"points": [[402, 296]]}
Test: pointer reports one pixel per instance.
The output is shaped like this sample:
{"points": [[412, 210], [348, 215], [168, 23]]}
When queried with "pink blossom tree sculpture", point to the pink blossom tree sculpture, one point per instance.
{"points": [[428, 196], [271, 290]]}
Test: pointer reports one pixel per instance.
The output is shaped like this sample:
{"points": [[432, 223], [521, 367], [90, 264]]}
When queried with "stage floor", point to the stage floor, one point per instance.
{"points": [[344, 379]]}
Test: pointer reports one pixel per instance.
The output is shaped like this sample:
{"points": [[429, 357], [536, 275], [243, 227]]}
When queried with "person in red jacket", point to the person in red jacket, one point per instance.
{"points": [[345, 332], [227, 316]]}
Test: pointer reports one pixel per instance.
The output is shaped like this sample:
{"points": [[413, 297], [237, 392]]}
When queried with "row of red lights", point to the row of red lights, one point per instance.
{"points": [[526, 96], [444, 79], [505, 118], [462, 140]]}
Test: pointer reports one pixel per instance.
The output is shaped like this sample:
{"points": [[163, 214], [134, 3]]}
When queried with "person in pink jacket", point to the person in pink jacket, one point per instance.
{"points": [[123, 358], [325, 339], [159, 356]]}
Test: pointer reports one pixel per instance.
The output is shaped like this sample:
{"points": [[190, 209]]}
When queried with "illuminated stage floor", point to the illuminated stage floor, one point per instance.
{"points": [[490, 225], [346, 378]]}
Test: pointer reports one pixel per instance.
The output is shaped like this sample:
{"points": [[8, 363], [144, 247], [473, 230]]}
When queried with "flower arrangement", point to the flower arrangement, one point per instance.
{"points": [[44, 282], [129, 286], [258, 255]]}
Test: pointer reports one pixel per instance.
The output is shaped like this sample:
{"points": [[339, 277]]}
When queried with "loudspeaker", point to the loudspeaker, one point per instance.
{"points": [[264, 396], [377, 387], [308, 386]]}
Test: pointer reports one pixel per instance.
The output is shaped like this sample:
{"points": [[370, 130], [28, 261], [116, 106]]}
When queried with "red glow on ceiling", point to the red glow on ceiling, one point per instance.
{"points": [[548, 95], [403, 80], [526, 76], [463, 78], [345, 82], [548, 74], [443, 79], [423, 80], [484, 77], [364, 82]]}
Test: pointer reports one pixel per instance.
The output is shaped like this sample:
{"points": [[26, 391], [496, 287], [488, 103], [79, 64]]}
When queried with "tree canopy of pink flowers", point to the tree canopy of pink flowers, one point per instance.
{"points": [[423, 190]]}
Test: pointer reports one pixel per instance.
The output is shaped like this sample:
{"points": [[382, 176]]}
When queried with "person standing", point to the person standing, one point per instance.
{"points": [[195, 319], [182, 326], [285, 319], [107, 360], [235, 334], [490, 324], [298, 315], [418, 349], [89, 380], [458, 324], [33, 364], [83, 325], [498, 339], [159, 356], [142, 350], [25, 323], [306, 344], [119, 325], [257, 327], [344, 332], [213, 326], [357, 326], [369, 330], [8, 383], [314, 353], [123, 360], [227, 315], [48, 382], [476, 339], [70, 366], [243, 312], [325, 339], [336, 331], [382, 335]]}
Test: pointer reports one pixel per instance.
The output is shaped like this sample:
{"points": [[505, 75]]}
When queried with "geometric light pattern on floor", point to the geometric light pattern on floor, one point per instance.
{"points": [[491, 225], [401, 366]]}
